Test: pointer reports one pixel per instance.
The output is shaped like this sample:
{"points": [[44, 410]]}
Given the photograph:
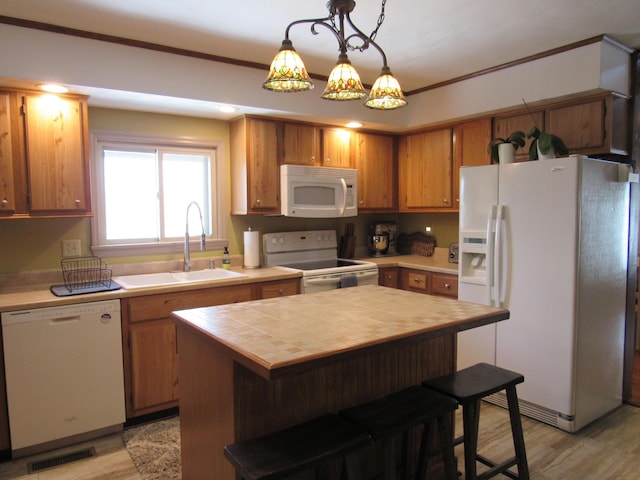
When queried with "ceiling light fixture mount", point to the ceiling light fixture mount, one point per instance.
{"points": [[288, 73]]}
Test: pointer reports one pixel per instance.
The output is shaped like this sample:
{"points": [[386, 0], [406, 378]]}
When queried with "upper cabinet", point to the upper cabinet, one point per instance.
{"points": [[336, 148], [300, 144], [375, 160], [57, 154], [255, 172], [593, 126], [503, 126], [44, 155], [425, 167], [470, 149]]}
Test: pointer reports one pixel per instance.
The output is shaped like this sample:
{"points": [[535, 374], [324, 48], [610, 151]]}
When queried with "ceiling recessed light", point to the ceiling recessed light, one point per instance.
{"points": [[227, 109], [353, 125], [54, 88]]}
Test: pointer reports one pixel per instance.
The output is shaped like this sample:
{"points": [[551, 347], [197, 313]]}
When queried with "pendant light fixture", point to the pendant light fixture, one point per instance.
{"points": [[288, 73]]}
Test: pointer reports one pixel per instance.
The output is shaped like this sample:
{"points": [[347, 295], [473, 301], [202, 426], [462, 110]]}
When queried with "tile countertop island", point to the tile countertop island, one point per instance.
{"points": [[250, 368]]}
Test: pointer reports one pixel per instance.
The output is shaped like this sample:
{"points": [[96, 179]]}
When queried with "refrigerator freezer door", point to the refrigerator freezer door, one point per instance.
{"points": [[479, 198]]}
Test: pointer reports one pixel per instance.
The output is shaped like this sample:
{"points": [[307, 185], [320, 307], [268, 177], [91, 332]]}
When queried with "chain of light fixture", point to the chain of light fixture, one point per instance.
{"points": [[288, 73]]}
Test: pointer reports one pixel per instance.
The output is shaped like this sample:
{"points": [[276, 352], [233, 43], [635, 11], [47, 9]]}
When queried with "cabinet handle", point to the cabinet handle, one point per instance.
{"points": [[361, 202], [258, 201], [5, 202], [445, 200], [447, 285], [416, 280]]}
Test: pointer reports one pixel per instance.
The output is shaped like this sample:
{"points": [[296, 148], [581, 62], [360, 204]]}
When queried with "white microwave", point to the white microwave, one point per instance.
{"points": [[318, 192]]}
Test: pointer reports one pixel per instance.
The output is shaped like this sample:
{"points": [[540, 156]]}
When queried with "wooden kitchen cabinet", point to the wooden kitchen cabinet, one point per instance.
{"points": [[592, 126], [255, 172], [444, 284], [388, 277], [9, 153], [336, 148], [425, 164], [278, 288], [374, 159], [416, 280], [150, 347], [300, 144], [47, 147], [470, 149], [503, 126]]}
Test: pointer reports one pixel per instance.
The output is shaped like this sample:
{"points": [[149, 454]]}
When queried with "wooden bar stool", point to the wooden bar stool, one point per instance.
{"points": [[398, 413], [304, 446], [468, 387]]}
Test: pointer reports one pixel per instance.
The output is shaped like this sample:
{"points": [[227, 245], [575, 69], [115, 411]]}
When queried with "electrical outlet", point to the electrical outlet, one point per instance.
{"points": [[71, 248]]}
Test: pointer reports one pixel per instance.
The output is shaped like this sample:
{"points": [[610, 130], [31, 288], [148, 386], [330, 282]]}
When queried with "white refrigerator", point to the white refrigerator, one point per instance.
{"points": [[548, 240]]}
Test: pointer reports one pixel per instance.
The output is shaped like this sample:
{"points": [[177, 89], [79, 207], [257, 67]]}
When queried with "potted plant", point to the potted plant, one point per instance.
{"points": [[503, 150], [545, 145]]}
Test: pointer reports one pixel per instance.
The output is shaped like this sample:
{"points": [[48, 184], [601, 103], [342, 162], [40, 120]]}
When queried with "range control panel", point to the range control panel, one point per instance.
{"points": [[299, 241]]}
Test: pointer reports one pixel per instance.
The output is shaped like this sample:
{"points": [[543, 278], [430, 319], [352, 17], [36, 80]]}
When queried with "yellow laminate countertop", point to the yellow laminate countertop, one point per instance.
{"points": [[286, 335]]}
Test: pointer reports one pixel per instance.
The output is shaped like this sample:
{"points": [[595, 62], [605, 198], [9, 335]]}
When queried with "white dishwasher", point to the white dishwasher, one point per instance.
{"points": [[64, 373]]}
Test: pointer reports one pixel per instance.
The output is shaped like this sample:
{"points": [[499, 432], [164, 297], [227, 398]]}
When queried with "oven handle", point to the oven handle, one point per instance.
{"points": [[336, 280]]}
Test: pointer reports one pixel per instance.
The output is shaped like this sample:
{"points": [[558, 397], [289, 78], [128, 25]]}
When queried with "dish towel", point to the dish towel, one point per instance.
{"points": [[349, 280]]}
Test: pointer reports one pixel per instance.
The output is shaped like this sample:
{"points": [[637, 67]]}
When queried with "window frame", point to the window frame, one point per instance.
{"points": [[219, 193]]}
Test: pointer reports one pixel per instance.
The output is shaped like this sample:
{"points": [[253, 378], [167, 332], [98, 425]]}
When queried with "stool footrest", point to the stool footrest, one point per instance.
{"points": [[496, 468]]}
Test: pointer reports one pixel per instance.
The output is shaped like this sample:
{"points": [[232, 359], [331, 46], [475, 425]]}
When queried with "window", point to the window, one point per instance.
{"points": [[144, 188]]}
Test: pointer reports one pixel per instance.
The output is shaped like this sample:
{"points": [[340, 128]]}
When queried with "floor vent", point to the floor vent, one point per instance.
{"points": [[59, 460]]}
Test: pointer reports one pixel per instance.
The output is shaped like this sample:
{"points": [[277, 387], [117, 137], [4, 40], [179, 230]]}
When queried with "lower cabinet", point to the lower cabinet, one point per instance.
{"points": [[388, 277], [150, 343], [422, 281]]}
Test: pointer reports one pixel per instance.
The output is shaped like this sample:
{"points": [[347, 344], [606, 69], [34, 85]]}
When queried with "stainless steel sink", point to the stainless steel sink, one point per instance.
{"points": [[174, 278]]}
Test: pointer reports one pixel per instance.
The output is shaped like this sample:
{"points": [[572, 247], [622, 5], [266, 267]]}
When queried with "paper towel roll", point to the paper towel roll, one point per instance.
{"points": [[251, 249]]}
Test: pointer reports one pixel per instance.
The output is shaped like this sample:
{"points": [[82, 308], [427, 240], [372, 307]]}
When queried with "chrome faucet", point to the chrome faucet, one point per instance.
{"points": [[187, 256]]}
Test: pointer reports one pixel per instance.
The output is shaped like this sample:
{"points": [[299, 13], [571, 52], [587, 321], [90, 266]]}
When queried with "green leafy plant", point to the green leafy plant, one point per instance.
{"points": [[516, 139], [544, 142]]}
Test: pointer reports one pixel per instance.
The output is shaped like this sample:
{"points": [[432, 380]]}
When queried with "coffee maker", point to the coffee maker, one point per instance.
{"points": [[382, 239]]}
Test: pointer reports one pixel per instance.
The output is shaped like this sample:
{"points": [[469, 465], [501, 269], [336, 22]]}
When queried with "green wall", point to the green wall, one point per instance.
{"points": [[35, 244]]}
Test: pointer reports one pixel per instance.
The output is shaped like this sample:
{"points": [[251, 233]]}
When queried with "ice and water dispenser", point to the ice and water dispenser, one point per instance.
{"points": [[474, 256]]}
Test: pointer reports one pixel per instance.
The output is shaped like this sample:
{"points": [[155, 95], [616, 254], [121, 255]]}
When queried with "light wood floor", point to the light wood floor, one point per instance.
{"points": [[607, 449]]}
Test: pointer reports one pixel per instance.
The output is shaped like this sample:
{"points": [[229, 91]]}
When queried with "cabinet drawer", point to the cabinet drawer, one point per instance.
{"points": [[444, 285], [279, 288], [388, 277], [416, 280], [161, 305]]}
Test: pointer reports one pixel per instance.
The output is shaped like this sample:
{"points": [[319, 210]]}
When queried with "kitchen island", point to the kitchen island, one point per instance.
{"points": [[251, 368]]}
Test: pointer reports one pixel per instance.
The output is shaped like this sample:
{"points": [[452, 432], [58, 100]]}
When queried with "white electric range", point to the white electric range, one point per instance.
{"points": [[315, 254]]}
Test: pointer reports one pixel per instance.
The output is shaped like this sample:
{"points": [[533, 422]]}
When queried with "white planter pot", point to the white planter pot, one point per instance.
{"points": [[506, 153]]}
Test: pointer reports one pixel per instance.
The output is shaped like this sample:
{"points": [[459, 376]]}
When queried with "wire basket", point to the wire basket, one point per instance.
{"points": [[83, 273]]}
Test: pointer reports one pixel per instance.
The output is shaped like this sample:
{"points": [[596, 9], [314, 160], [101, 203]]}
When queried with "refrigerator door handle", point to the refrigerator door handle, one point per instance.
{"points": [[497, 257], [490, 254]]}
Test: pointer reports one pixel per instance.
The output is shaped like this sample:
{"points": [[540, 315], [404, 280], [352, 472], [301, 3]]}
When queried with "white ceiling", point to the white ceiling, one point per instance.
{"points": [[426, 41]]}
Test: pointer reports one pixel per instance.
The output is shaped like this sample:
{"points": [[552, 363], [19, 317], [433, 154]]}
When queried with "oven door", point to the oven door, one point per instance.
{"points": [[330, 281]]}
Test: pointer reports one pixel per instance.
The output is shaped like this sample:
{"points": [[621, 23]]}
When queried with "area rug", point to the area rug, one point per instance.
{"points": [[155, 449]]}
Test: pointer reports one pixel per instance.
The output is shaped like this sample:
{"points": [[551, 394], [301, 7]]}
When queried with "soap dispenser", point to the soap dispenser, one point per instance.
{"points": [[226, 260]]}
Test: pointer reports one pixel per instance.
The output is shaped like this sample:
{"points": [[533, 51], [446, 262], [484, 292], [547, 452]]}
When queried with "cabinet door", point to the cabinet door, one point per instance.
{"points": [[155, 369], [279, 288], [300, 144], [336, 148], [263, 169], [388, 277], [425, 171], [7, 161], [374, 159], [443, 284], [471, 142], [505, 126], [57, 157]]}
